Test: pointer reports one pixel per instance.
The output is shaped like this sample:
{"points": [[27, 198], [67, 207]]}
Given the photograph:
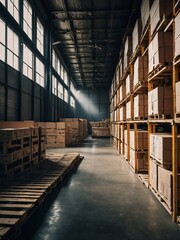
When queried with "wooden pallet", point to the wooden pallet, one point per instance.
{"points": [[160, 72], [160, 116], [23, 195], [144, 179]]}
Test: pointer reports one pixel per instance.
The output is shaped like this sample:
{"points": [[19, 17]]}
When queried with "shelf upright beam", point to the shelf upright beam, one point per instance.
{"points": [[174, 170], [135, 144], [128, 142]]}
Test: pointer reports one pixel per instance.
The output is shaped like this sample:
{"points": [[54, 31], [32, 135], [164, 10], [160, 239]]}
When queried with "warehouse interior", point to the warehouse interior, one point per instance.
{"points": [[89, 119]]}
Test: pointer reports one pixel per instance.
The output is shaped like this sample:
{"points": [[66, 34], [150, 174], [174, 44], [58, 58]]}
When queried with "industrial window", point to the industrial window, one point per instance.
{"points": [[72, 102], [13, 8], [12, 49], [54, 85], [60, 90], [39, 72], [58, 67], [54, 59], [62, 72], [27, 19], [65, 95], [65, 78], [2, 40], [27, 62], [40, 37]]}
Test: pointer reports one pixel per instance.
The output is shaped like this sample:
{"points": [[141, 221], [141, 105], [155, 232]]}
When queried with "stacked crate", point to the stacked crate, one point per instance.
{"points": [[11, 152], [58, 134], [35, 144], [139, 150], [19, 149], [42, 144], [27, 160]]}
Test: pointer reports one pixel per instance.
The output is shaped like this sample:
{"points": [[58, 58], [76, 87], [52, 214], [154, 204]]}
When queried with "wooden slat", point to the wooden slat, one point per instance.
{"points": [[28, 200], [11, 213], [23, 196], [21, 193], [15, 206], [3, 230], [8, 221]]}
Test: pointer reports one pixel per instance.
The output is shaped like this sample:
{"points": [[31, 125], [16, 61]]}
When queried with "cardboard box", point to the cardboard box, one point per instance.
{"points": [[127, 51], [177, 35], [160, 50], [129, 85], [136, 35], [161, 149], [145, 12], [122, 92], [160, 101], [100, 131], [160, 9], [123, 113], [153, 175], [129, 113], [178, 97], [141, 140], [165, 186], [140, 70], [139, 161], [141, 106]]}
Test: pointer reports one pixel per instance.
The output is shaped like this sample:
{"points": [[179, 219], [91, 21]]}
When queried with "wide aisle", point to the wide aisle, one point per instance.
{"points": [[103, 200]]}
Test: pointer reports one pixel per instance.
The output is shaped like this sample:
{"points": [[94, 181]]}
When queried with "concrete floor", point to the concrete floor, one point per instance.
{"points": [[103, 200]]}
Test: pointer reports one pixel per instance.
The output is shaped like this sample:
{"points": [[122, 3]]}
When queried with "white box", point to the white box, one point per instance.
{"points": [[141, 106], [160, 50], [123, 113], [122, 92], [178, 97], [177, 35], [153, 175], [140, 70], [136, 35], [128, 110], [145, 11], [128, 85], [159, 9]]}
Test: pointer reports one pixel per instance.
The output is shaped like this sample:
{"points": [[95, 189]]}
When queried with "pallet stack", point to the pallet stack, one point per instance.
{"points": [[100, 128], [58, 134], [19, 149]]}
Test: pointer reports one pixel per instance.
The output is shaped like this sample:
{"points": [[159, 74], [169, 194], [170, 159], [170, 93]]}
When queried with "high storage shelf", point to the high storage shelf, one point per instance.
{"points": [[145, 100]]}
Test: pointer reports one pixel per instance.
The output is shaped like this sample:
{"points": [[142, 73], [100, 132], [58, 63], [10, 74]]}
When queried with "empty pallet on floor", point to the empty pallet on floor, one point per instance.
{"points": [[21, 196]]}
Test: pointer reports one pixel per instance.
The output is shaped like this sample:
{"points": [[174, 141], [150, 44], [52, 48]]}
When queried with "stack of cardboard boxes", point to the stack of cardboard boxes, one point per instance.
{"points": [[161, 166], [100, 129]]}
